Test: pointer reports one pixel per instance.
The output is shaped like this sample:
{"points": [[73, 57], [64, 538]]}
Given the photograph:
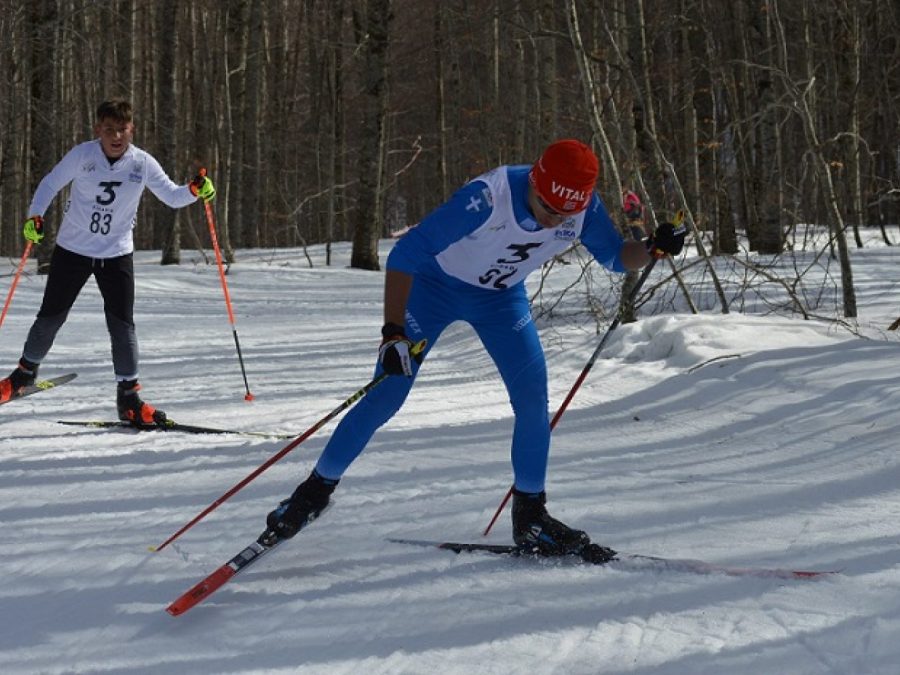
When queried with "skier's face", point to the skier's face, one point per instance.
{"points": [[546, 216], [115, 136]]}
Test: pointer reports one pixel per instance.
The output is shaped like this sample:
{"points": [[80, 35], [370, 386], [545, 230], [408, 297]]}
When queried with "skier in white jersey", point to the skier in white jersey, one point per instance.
{"points": [[467, 261], [107, 176]]}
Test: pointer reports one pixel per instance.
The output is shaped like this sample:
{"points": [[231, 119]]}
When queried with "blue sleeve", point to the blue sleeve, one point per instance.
{"points": [[462, 214], [600, 236]]}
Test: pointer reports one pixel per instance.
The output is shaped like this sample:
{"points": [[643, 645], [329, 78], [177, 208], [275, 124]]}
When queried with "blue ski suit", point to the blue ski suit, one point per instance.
{"points": [[469, 259]]}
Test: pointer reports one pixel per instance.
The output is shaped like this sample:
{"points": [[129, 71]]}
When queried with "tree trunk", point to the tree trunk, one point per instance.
{"points": [[42, 31], [441, 103], [235, 66], [804, 102], [520, 89], [767, 236], [166, 222], [369, 211], [547, 83], [12, 135], [854, 40], [250, 121]]}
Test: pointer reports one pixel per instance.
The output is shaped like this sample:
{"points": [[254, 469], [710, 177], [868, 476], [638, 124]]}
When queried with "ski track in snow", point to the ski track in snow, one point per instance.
{"points": [[740, 440]]}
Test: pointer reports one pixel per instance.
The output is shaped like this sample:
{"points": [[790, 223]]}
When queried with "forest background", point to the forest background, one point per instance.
{"points": [[346, 120]]}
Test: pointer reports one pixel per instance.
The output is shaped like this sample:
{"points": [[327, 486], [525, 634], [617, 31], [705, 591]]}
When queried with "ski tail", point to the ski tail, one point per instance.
{"points": [[50, 383], [461, 547], [634, 562], [42, 385], [168, 425], [592, 553]]}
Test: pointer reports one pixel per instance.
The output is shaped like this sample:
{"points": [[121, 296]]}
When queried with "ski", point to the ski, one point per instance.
{"points": [[629, 561], [43, 385], [220, 577], [170, 425]]}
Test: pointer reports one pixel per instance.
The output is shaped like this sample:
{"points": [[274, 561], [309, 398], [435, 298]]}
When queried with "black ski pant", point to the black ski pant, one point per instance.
{"points": [[68, 274]]}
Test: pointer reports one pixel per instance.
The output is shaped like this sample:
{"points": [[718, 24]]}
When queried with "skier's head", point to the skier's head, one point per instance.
{"points": [[564, 177], [631, 205], [114, 127], [116, 109]]}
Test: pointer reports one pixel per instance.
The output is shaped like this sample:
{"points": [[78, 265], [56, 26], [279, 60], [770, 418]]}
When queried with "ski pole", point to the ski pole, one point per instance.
{"points": [[417, 348], [215, 242], [581, 378], [15, 282]]}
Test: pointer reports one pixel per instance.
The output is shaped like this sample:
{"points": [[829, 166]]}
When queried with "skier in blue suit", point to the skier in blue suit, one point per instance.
{"points": [[467, 261]]}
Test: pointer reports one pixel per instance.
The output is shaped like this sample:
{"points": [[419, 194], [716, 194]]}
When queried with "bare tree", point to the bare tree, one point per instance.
{"points": [[42, 22], [321, 121], [373, 22], [805, 105], [167, 231]]}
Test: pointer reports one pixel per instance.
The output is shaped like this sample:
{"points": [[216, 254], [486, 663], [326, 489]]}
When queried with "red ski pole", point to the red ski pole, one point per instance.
{"points": [[15, 282], [215, 242], [417, 348]]}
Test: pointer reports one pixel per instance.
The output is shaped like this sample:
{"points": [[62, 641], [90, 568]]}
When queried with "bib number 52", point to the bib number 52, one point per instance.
{"points": [[506, 267]]}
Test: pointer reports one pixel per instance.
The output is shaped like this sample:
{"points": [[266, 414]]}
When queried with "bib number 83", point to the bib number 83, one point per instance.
{"points": [[100, 222]]}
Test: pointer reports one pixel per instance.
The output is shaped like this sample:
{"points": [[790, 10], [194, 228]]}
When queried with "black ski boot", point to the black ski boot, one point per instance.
{"points": [[597, 554], [306, 504], [23, 376], [132, 409], [535, 531]]}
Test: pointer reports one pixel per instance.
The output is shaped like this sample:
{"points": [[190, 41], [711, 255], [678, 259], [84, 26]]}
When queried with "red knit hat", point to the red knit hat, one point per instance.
{"points": [[565, 175]]}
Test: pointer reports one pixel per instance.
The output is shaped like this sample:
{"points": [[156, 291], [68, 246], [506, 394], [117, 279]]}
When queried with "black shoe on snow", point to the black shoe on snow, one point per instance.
{"points": [[306, 504], [23, 376], [535, 531], [597, 554], [133, 409]]}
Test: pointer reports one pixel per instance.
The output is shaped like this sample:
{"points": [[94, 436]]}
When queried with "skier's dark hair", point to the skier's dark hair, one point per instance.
{"points": [[117, 109]]}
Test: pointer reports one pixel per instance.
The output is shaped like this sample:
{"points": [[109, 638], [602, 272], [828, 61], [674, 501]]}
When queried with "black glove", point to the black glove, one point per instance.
{"points": [[396, 353], [667, 239]]}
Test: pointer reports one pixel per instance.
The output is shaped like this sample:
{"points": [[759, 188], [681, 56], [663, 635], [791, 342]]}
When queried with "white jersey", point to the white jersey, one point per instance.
{"points": [[103, 202], [501, 253]]}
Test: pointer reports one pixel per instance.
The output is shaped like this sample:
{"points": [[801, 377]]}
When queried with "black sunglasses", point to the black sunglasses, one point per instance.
{"points": [[549, 209]]}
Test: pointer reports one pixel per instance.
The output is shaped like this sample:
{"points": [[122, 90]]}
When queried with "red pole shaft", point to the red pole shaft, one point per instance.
{"points": [[215, 242], [15, 282], [578, 382], [210, 219], [274, 458]]}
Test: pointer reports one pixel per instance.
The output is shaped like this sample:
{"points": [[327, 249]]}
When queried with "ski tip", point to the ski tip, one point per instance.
{"points": [[152, 549], [248, 396]]}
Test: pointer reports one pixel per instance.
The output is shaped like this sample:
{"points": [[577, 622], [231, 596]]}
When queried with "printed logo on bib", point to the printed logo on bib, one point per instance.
{"points": [[564, 234]]}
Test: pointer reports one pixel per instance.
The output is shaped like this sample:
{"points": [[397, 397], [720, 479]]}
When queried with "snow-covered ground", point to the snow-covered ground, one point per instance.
{"points": [[741, 439]]}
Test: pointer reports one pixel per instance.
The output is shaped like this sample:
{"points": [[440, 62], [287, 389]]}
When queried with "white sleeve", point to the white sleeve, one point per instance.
{"points": [[60, 176], [164, 188]]}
